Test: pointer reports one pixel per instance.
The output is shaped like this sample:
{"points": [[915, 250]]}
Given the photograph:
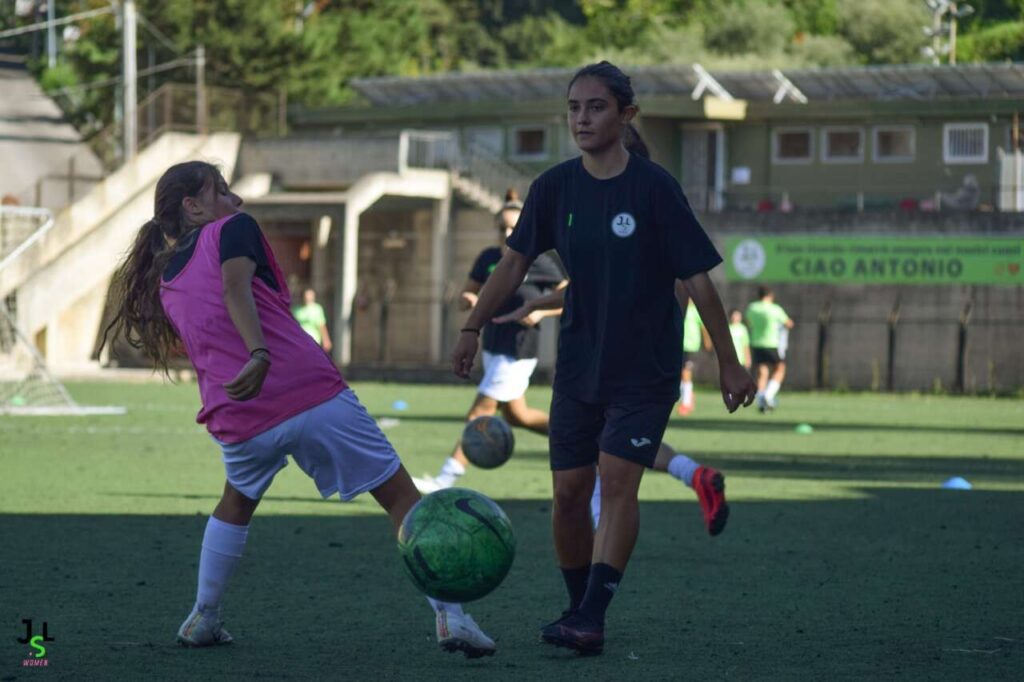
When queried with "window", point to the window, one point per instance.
{"points": [[792, 145], [488, 138], [842, 145], [965, 143], [893, 144], [530, 143]]}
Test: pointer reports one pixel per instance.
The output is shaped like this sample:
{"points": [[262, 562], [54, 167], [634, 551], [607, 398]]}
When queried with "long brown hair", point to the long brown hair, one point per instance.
{"points": [[135, 289]]}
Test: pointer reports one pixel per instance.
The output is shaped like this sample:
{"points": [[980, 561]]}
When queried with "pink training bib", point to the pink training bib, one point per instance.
{"points": [[301, 374]]}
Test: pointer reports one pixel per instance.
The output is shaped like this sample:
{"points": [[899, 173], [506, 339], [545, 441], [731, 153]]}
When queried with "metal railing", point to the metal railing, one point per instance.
{"points": [[177, 107], [441, 150]]}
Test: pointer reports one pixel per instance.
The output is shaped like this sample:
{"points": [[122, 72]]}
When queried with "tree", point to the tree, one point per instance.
{"points": [[885, 31], [748, 26]]}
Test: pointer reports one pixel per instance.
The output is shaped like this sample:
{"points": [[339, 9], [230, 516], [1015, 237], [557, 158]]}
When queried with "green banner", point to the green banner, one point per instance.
{"points": [[823, 259]]}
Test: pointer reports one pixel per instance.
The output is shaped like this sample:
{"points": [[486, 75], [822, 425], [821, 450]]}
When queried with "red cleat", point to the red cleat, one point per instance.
{"points": [[685, 410], [710, 487]]}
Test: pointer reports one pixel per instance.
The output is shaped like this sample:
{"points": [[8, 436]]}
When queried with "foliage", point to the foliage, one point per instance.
{"points": [[998, 42], [313, 49], [823, 51], [748, 26], [884, 31]]}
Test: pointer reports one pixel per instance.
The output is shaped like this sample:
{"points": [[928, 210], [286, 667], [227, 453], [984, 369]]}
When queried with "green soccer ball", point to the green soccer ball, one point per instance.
{"points": [[488, 442], [456, 545]]}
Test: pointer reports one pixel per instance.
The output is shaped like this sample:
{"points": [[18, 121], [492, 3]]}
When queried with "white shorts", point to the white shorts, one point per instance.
{"points": [[336, 443], [505, 378]]}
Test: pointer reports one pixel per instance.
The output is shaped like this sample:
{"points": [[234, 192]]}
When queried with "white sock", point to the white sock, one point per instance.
{"points": [[683, 468], [595, 502], [223, 544], [450, 607], [450, 472], [686, 392], [772, 390]]}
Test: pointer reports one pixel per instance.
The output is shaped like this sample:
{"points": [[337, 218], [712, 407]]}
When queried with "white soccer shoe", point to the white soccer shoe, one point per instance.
{"points": [[427, 484], [459, 632], [201, 629]]}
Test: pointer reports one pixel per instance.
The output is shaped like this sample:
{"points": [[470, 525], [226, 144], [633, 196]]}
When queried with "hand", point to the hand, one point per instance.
{"points": [[517, 315], [464, 354], [468, 300], [738, 388], [327, 345], [247, 383]]}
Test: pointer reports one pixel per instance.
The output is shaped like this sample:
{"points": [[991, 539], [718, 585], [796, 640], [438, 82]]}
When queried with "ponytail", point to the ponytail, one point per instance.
{"points": [[634, 143], [135, 288]]}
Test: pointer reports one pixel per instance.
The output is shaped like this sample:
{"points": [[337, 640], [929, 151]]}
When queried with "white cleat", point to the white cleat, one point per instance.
{"points": [[427, 484], [201, 629], [459, 632]]}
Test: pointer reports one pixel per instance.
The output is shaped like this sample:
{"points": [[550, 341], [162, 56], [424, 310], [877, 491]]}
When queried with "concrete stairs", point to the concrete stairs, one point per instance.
{"points": [[61, 280]]}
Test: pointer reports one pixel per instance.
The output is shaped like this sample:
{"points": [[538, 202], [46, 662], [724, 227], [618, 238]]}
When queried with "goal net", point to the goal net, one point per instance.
{"points": [[26, 385]]}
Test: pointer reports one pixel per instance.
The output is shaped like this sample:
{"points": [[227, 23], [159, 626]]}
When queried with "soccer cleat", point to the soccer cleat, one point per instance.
{"points": [[459, 632], [710, 487], [203, 629], [427, 484], [685, 409], [575, 631]]}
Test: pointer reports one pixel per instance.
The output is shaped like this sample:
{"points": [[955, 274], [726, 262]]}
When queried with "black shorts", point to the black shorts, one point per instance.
{"points": [[765, 356], [580, 431]]}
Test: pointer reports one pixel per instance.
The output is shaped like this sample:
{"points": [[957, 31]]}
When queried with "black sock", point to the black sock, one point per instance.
{"points": [[576, 583], [601, 587]]}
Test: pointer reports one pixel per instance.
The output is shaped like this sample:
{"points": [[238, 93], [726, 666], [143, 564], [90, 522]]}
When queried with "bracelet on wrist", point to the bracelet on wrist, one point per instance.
{"points": [[470, 329], [261, 354]]}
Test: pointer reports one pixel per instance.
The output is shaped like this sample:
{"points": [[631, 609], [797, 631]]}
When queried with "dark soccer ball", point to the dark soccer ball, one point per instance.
{"points": [[456, 545], [488, 442]]}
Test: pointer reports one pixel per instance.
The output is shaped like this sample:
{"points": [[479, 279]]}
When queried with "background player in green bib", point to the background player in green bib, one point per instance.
{"points": [[765, 317], [311, 317], [694, 336], [740, 336]]}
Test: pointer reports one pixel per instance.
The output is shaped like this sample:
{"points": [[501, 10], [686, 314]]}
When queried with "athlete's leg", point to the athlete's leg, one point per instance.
{"points": [[570, 518], [613, 544], [456, 630], [774, 384], [224, 539], [686, 396], [518, 413]]}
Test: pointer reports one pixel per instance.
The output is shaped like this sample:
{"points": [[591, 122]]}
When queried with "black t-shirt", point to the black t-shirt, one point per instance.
{"points": [[240, 236], [512, 338], [624, 241]]}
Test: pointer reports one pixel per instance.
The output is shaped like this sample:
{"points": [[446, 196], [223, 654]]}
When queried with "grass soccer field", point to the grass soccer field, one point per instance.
{"points": [[844, 558]]}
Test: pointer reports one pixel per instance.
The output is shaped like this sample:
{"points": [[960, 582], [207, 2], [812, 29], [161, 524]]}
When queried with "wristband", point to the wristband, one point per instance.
{"points": [[261, 354], [470, 329]]}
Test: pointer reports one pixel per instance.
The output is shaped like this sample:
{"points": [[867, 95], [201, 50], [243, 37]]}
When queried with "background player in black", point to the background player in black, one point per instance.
{"points": [[510, 349], [625, 233]]}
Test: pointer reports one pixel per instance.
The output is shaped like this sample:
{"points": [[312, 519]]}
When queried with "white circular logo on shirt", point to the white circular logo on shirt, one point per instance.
{"points": [[749, 258], [623, 225]]}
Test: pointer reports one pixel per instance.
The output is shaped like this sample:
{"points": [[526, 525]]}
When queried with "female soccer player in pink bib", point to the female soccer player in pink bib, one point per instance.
{"points": [[200, 276]]}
